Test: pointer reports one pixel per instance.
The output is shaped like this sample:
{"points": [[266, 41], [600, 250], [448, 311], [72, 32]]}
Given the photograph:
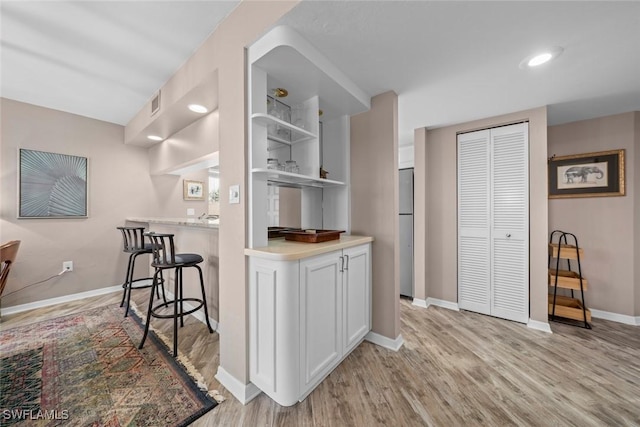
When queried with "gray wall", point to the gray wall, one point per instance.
{"points": [[119, 186], [606, 227], [436, 215], [374, 204]]}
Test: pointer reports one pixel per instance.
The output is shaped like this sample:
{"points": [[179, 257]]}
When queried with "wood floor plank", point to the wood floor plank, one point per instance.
{"points": [[455, 369]]}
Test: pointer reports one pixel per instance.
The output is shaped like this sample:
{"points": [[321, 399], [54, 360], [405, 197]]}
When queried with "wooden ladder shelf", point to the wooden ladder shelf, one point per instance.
{"points": [[562, 306]]}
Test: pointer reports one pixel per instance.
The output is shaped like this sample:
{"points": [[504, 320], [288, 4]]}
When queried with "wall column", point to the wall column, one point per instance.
{"points": [[374, 204], [420, 219]]}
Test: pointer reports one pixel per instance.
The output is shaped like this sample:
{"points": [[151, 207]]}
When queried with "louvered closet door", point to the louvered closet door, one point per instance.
{"points": [[474, 222], [510, 222]]}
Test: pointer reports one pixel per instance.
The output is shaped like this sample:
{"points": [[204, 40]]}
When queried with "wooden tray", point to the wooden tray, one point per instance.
{"points": [[566, 279], [567, 251], [312, 236], [569, 308], [276, 232]]}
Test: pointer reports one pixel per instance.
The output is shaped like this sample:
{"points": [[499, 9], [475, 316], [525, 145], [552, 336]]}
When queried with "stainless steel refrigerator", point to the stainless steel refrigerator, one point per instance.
{"points": [[406, 232]]}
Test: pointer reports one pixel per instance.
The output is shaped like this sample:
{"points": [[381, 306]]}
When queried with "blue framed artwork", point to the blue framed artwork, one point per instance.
{"points": [[51, 185]]}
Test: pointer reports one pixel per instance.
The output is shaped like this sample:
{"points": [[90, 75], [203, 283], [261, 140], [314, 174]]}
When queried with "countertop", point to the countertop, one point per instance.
{"points": [[189, 222], [285, 250]]}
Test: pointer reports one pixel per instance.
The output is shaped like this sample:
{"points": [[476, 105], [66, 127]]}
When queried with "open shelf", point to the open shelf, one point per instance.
{"points": [[569, 308], [567, 279], [566, 252], [294, 179], [297, 134]]}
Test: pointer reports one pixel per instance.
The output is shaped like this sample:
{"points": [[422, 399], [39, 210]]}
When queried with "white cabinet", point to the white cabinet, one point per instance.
{"points": [[493, 222], [306, 316]]}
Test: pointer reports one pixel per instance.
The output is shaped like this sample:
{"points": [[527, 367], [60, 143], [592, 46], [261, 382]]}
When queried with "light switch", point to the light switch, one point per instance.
{"points": [[234, 194], [191, 212]]}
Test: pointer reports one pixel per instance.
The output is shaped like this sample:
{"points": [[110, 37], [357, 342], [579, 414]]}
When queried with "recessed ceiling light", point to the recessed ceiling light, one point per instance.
{"points": [[154, 137], [540, 58], [197, 108]]}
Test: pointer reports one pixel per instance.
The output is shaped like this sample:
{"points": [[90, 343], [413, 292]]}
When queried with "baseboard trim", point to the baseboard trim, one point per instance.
{"points": [[382, 341], [244, 393], [437, 302], [88, 294], [58, 300], [615, 317], [539, 326], [419, 303]]}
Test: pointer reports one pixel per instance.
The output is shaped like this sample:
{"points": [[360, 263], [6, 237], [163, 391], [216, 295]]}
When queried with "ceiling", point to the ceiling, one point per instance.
{"points": [[449, 62], [100, 59]]}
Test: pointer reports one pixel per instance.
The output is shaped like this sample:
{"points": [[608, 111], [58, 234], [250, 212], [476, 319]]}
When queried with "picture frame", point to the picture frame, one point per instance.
{"points": [[193, 190], [52, 185], [598, 174]]}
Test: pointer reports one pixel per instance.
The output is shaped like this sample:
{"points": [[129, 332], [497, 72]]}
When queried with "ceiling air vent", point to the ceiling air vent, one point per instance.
{"points": [[155, 104]]}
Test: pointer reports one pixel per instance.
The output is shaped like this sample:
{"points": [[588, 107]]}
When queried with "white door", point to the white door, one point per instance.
{"points": [[320, 317], [356, 287], [510, 222], [493, 222], [474, 222]]}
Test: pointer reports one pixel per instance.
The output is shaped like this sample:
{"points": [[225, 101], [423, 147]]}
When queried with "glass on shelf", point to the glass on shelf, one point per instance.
{"points": [[291, 166], [281, 111], [297, 117], [272, 164]]}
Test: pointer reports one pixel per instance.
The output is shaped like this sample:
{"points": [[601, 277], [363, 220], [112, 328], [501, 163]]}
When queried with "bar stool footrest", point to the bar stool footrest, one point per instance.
{"points": [[170, 304], [150, 284]]}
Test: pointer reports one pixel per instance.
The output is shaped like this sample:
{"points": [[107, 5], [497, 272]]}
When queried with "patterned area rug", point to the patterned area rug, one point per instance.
{"points": [[86, 370]]}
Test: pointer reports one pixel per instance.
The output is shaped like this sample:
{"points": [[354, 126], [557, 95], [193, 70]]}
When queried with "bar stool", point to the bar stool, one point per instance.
{"points": [[165, 257], [134, 245]]}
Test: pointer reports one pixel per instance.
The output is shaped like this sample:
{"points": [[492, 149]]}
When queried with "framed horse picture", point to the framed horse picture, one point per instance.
{"points": [[587, 175]]}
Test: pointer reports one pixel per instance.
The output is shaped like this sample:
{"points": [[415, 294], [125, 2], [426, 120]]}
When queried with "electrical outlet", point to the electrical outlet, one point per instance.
{"points": [[67, 266]]}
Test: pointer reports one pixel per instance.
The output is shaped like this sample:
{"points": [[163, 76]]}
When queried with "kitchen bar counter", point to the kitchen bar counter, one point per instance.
{"points": [[189, 222], [285, 250], [197, 236]]}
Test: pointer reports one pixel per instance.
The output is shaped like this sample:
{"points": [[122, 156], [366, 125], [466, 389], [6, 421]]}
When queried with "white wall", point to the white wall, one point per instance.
{"points": [[119, 186]]}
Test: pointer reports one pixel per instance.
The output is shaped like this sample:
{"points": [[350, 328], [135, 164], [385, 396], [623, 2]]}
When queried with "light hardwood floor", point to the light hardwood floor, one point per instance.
{"points": [[455, 369]]}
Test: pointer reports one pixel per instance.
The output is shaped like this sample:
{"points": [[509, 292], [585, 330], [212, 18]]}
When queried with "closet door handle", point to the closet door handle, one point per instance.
{"points": [[346, 265]]}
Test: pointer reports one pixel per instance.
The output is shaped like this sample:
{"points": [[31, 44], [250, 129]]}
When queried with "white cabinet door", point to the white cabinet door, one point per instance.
{"points": [[274, 328], [357, 295], [474, 222], [510, 222], [320, 317]]}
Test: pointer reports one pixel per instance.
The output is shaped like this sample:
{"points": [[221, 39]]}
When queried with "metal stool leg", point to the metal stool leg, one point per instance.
{"points": [[176, 293], [181, 298], [164, 297], [204, 299], [127, 283], [149, 311]]}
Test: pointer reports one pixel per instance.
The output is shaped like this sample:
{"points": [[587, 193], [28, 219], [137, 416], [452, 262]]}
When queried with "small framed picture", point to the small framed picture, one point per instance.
{"points": [[587, 175], [193, 190]]}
